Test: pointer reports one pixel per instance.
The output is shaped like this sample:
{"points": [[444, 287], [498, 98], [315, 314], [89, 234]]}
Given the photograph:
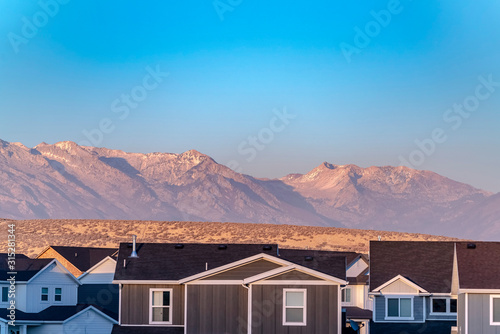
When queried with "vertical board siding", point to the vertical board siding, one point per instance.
{"points": [[461, 313], [322, 310], [479, 315], [217, 309], [135, 303]]}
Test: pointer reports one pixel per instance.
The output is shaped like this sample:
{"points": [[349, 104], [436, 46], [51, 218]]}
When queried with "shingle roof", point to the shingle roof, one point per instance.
{"points": [[478, 268], [166, 262], [25, 267], [84, 258], [55, 313], [426, 263], [146, 330], [353, 312]]}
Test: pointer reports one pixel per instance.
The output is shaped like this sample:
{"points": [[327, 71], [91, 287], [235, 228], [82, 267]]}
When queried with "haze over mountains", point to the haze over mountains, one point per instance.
{"points": [[66, 180]]}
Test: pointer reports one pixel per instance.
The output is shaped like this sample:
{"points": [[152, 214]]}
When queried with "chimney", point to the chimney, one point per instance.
{"points": [[134, 247]]}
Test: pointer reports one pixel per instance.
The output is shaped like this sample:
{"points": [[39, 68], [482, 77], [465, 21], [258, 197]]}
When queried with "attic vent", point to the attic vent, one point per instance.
{"points": [[471, 246], [222, 246], [308, 258], [267, 248], [179, 246]]}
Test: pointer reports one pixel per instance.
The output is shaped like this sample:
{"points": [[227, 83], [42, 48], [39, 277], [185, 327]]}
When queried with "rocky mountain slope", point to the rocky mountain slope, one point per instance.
{"points": [[65, 180]]}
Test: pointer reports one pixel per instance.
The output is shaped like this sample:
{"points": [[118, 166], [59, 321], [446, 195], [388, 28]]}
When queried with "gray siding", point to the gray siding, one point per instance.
{"points": [[135, 303], [418, 309], [295, 276], [245, 271], [479, 315], [217, 309], [461, 313], [322, 310], [436, 317]]}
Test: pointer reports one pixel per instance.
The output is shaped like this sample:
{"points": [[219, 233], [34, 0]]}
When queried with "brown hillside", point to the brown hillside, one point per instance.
{"points": [[33, 235]]}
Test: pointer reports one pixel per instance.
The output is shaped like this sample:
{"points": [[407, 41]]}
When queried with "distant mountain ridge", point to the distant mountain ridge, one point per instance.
{"points": [[65, 180]]}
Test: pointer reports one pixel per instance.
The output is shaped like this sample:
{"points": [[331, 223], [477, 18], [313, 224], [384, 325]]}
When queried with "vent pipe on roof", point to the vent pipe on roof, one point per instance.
{"points": [[134, 247], [277, 249]]}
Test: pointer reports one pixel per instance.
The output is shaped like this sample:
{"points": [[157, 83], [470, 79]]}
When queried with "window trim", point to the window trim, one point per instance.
{"points": [[448, 306], [304, 308], [55, 294], [170, 307], [492, 323], [41, 294], [344, 294], [399, 297]]}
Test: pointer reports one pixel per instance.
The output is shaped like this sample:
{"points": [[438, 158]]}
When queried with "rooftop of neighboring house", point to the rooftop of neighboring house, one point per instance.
{"points": [[83, 258], [166, 261], [25, 267], [429, 264], [55, 313], [478, 265]]}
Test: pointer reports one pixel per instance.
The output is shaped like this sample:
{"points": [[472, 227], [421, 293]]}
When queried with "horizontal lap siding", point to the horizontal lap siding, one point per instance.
{"points": [[217, 309], [267, 310], [135, 303]]}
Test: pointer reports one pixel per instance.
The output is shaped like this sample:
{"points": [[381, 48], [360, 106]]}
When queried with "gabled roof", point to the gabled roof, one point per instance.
{"points": [[404, 280], [170, 263], [26, 268], [107, 258], [58, 313], [479, 267], [83, 258], [428, 264]]}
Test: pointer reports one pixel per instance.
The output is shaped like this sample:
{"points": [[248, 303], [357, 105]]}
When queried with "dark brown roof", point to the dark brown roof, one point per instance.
{"points": [[428, 264], [55, 313], [479, 268], [353, 312], [84, 258], [25, 267], [166, 262]]}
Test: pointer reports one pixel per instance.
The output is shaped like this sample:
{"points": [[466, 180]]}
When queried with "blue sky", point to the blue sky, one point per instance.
{"points": [[363, 98]]}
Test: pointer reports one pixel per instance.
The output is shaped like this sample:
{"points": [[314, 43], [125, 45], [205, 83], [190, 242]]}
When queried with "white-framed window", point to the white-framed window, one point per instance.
{"points": [[160, 306], [346, 295], [294, 307], [58, 294], [399, 307], [44, 296], [443, 305], [495, 310]]}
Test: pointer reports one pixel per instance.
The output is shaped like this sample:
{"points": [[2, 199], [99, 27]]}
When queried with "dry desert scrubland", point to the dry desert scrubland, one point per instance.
{"points": [[33, 235]]}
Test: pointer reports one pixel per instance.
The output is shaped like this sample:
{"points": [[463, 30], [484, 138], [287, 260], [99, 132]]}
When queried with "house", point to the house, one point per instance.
{"points": [[94, 267], [411, 287], [40, 296], [230, 288], [355, 301], [78, 260], [477, 283]]}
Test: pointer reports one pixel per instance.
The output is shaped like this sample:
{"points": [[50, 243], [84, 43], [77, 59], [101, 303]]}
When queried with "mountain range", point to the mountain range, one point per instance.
{"points": [[65, 180]]}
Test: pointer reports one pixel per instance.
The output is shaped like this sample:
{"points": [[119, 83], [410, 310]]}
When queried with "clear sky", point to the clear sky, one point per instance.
{"points": [[269, 87]]}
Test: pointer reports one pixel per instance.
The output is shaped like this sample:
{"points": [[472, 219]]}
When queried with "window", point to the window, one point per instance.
{"points": [[495, 310], [58, 294], [294, 307], [45, 295], [398, 307], [160, 306], [346, 295], [5, 294], [443, 305]]}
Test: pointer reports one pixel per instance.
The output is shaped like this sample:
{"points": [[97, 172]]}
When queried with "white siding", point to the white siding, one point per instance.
{"points": [[103, 274], [53, 277], [357, 268], [88, 322], [399, 286], [21, 297], [357, 296]]}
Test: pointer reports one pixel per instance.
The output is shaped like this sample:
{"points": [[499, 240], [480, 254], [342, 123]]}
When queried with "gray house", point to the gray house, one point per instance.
{"points": [[233, 288], [478, 287], [411, 286]]}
